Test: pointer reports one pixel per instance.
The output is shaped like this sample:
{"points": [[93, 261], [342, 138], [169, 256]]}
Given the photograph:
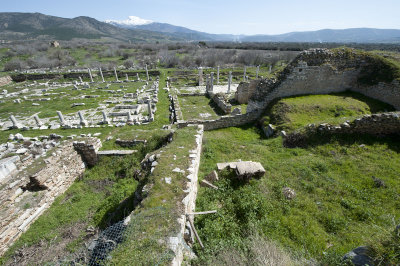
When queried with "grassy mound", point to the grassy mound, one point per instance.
{"points": [[296, 112], [338, 204]]}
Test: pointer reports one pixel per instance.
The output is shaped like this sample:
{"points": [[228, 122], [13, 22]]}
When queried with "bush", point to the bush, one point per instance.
{"points": [[14, 64], [128, 64]]}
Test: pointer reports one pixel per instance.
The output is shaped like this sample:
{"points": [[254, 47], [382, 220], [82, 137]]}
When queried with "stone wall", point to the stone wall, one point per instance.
{"points": [[385, 92], [175, 109], [189, 202], [25, 195], [319, 71], [88, 150], [24, 77], [222, 103], [377, 124], [245, 90], [224, 121], [192, 94]]}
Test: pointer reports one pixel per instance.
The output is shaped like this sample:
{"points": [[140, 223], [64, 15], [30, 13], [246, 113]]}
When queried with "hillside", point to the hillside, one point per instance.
{"points": [[23, 26], [354, 35], [32, 26], [360, 35]]}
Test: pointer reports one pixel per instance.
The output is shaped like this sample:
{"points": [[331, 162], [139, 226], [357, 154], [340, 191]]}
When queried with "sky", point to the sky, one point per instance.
{"points": [[228, 16]]}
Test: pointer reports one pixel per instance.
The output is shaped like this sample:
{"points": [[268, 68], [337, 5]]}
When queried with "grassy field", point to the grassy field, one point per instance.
{"points": [[337, 201], [63, 100], [198, 108], [338, 206], [296, 112]]}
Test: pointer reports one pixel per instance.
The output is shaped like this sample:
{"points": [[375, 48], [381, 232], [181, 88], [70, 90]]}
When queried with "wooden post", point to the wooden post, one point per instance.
{"points": [[195, 232]]}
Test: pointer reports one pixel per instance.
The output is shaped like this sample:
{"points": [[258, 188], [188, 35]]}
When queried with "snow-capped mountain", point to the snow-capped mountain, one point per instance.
{"points": [[131, 21], [134, 22]]}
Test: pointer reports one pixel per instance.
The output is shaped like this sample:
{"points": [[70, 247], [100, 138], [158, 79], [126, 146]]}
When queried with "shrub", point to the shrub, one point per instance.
{"points": [[14, 64]]}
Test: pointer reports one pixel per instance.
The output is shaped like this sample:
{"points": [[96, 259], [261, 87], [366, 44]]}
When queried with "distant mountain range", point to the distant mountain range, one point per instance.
{"points": [[360, 35], [28, 26]]}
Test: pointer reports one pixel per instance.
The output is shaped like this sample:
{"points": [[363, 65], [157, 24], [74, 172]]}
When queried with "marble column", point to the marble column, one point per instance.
{"points": [[105, 118], [218, 75], [115, 73], [90, 75], [101, 74], [151, 117], [212, 82], [60, 116], [147, 73], [201, 79], [82, 121], [37, 120], [229, 81]]}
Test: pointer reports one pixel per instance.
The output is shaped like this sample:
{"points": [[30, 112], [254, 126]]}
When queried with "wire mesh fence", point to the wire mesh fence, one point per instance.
{"points": [[108, 240]]}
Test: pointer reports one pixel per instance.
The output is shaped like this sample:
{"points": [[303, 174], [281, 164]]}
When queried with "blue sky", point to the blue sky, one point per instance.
{"points": [[223, 16]]}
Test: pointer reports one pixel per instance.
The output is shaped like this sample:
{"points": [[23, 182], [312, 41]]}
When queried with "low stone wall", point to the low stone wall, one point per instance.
{"points": [[193, 94], [377, 124], [24, 77], [88, 150], [222, 104], [224, 121], [130, 143], [30, 192], [176, 112], [189, 202]]}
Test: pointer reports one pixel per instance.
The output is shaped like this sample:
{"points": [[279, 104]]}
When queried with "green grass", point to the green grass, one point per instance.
{"points": [[156, 219], [296, 112], [193, 106], [337, 207]]}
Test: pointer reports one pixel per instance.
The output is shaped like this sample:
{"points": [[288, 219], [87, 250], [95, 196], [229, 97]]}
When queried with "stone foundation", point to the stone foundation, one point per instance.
{"points": [[189, 202], [376, 124], [88, 150], [26, 194], [222, 103], [224, 121]]}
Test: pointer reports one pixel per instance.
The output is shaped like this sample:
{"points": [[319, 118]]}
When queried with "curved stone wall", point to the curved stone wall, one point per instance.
{"points": [[319, 71]]}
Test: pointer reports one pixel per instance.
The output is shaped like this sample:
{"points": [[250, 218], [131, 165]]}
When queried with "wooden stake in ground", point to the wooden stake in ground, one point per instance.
{"points": [[188, 216], [195, 232]]}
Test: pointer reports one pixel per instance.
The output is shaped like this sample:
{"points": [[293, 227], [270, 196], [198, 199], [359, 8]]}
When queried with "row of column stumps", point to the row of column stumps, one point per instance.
{"points": [[115, 74], [210, 79], [83, 121]]}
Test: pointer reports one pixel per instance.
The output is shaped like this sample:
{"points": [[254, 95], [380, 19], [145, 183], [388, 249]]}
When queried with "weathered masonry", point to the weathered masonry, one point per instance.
{"points": [[321, 71]]}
